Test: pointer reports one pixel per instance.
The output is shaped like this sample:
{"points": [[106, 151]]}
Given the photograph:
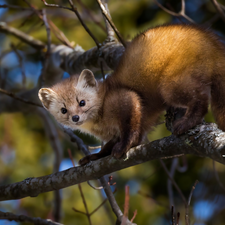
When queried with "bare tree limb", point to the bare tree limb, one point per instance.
{"points": [[22, 218], [74, 9], [22, 36], [219, 9], [204, 140], [108, 17], [169, 182], [173, 182], [180, 14], [109, 29], [187, 219], [19, 98], [20, 59]]}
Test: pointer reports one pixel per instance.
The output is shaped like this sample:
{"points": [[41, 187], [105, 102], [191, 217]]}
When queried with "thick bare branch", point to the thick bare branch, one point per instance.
{"points": [[76, 61], [204, 140]]}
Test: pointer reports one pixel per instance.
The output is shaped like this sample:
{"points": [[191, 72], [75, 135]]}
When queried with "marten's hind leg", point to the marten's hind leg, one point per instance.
{"points": [[194, 114], [195, 98]]}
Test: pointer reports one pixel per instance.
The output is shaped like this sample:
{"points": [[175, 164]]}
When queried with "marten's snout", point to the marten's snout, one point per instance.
{"points": [[75, 118]]}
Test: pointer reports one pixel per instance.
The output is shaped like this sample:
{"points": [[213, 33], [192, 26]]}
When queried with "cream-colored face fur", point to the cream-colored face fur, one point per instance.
{"points": [[75, 97]]}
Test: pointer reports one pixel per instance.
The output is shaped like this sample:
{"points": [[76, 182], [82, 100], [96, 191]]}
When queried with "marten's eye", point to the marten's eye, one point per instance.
{"points": [[63, 110], [82, 103]]}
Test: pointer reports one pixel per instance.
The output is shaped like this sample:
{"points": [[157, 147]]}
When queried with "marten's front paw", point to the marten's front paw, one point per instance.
{"points": [[84, 160], [118, 151], [89, 158]]}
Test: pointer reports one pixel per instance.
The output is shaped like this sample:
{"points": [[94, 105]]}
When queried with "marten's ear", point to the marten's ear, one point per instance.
{"points": [[87, 78], [47, 96]]}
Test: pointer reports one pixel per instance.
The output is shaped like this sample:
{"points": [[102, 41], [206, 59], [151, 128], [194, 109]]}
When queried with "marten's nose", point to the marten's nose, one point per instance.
{"points": [[75, 118]]}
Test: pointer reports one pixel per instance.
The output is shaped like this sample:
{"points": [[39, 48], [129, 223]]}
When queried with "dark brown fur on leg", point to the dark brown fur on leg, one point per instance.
{"points": [[105, 151], [193, 116]]}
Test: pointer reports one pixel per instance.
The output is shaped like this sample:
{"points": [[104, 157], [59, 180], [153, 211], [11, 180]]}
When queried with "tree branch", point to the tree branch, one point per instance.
{"points": [[204, 140], [22, 36], [22, 218], [108, 17]]}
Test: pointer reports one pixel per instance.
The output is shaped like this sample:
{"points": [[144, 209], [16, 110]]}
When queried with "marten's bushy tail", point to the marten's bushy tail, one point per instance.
{"points": [[218, 100]]}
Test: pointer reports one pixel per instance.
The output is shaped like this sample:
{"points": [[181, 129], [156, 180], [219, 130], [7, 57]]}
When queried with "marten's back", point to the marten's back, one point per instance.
{"points": [[168, 54]]}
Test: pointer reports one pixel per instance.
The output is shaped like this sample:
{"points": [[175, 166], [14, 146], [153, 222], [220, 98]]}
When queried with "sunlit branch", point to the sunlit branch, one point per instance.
{"points": [[107, 16]]}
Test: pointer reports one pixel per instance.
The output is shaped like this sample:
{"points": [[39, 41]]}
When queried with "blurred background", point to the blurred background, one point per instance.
{"points": [[25, 150]]}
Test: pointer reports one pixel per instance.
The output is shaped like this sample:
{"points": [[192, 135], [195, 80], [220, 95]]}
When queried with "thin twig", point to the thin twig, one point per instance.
{"points": [[174, 182], [76, 210], [96, 188], [97, 208], [126, 205], [172, 215], [83, 24], [99, 188], [85, 204], [109, 29], [48, 52], [74, 9], [104, 201], [219, 9], [180, 14], [81, 193], [19, 98], [22, 36], [61, 35], [191, 193], [20, 59], [187, 221], [169, 182], [89, 13], [178, 218], [135, 214], [53, 137], [107, 16]]}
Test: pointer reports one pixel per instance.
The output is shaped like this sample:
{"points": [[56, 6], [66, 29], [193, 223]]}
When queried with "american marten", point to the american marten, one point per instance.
{"points": [[182, 66]]}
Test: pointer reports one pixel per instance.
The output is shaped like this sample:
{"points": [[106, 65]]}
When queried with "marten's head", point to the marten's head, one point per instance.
{"points": [[72, 101]]}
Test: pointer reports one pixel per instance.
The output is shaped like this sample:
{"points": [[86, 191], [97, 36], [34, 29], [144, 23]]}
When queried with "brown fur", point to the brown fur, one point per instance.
{"points": [[177, 65]]}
